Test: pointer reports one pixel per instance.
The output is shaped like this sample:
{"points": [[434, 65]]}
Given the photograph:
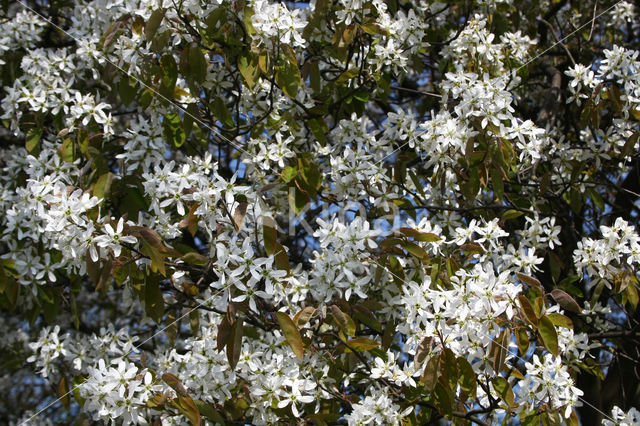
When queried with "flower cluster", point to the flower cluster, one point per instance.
{"points": [[377, 409], [606, 258], [548, 381], [620, 418]]}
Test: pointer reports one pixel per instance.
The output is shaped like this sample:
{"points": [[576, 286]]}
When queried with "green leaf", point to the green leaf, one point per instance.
{"points": [[193, 64], [529, 418], [415, 250], [63, 393], [431, 373], [630, 144], [67, 150], [157, 259], [448, 368], [112, 33], [502, 386], [127, 91], [291, 333], [498, 182], [596, 198], [548, 334], [311, 177], [77, 381], [173, 130], [511, 214], [428, 237], [575, 200], [560, 320], [632, 296], [195, 258], [234, 344], [297, 199], [154, 303], [467, 377], [281, 258], [522, 339], [224, 332], [472, 248], [249, 69], [153, 24], [33, 140], [221, 112], [169, 76], [198, 64], [362, 344], [171, 326], [289, 173], [102, 186], [443, 399], [348, 75], [319, 129], [288, 78], [365, 316], [423, 350], [209, 412], [194, 321], [248, 24], [270, 235]]}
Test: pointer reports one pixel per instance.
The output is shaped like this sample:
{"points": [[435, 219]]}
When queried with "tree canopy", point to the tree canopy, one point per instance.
{"points": [[363, 212]]}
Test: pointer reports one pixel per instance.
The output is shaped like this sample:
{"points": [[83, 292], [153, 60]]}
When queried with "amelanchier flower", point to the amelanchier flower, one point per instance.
{"points": [[113, 239]]}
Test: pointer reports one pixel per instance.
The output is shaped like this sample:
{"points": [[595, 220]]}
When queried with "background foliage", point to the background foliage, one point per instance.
{"points": [[350, 211]]}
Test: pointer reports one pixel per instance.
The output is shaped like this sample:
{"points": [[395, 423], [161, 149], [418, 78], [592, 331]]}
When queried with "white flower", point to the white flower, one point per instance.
{"points": [[114, 238]]}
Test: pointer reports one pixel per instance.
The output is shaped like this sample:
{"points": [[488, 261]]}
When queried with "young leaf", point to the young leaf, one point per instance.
{"points": [[530, 281], [344, 321], [527, 309], [224, 331], [174, 383], [187, 407], [239, 215], [234, 344], [565, 300], [63, 393], [291, 333], [303, 317], [500, 349]]}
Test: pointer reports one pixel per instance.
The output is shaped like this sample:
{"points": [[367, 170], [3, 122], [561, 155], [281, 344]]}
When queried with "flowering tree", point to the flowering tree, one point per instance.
{"points": [[325, 212]]}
